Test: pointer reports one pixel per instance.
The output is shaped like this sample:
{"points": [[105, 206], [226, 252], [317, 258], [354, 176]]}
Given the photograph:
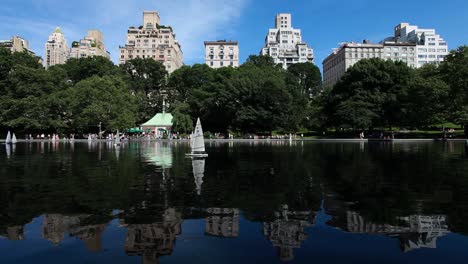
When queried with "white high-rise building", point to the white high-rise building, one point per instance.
{"points": [[430, 47], [221, 53], [153, 41], [284, 43], [410, 45], [56, 49], [91, 46]]}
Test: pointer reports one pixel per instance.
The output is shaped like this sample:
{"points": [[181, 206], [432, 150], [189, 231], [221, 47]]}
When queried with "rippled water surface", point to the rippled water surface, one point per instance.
{"points": [[257, 202]]}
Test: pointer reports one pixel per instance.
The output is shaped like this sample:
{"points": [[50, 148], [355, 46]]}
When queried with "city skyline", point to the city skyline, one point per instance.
{"points": [[240, 20]]}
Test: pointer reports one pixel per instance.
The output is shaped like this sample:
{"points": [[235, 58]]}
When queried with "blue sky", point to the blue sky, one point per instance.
{"points": [[324, 23]]}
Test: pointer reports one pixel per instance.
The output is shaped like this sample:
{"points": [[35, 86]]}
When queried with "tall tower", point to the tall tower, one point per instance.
{"points": [[284, 43], [56, 49], [152, 41]]}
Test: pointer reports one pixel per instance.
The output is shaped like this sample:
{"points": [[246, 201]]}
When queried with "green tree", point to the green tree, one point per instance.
{"points": [[83, 68], [182, 121], [105, 100], [307, 77], [147, 81], [375, 87], [425, 102], [454, 71]]}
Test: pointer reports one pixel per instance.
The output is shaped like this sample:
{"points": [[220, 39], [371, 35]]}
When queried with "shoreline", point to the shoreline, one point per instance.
{"points": [[330, 140]]}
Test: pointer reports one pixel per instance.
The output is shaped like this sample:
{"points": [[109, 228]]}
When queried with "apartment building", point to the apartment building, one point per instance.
{"points": [[56, 49], [221, 53], [284, 43], [92, 45], [152, 40]]}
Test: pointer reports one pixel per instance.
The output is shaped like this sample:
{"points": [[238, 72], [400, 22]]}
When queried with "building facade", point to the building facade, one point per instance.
{"points": [[411, 45], [336, 64], [91, 46], [221, 53], [17, 44], [56, 49], [431, 47], [152, 40], [284, 43]]}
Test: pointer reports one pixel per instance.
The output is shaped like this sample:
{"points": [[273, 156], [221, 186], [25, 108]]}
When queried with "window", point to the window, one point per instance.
{"points": [[211, 63], [221, 64], [232, 63]]}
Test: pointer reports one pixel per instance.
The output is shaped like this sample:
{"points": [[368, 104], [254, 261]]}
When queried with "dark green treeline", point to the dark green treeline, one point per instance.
{"points": [[257, 97]]}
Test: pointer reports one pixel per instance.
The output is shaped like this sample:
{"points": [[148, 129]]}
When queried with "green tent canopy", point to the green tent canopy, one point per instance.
{"points": [[159, 120], [134, 130]]}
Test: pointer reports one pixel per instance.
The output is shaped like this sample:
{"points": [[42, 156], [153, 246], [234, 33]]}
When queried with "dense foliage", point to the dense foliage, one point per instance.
{"points": [[257, 97], [377, 93]]}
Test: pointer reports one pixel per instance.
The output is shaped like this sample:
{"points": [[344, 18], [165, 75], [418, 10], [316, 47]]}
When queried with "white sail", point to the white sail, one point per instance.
{"points": [[198, 173], [197, 141], [89, 137], [8, 138], [13, 139]]}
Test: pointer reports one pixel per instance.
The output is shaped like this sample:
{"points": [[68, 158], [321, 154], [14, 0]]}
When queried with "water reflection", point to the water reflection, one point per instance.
{"points": [[198, 166], [153, 240], [222, 222], [287, 231], [275, 194]]}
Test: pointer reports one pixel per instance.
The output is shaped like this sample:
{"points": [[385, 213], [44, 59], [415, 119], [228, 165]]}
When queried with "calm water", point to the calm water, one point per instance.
{"points": [[245, 203]]}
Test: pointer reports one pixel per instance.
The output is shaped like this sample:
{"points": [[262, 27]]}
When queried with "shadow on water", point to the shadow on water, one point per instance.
{"points": [[280, 201]]}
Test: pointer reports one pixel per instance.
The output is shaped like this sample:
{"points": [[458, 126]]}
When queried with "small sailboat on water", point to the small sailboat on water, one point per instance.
{"points": [[197, 142], [89, 138], [8, 138], [13, 139]]}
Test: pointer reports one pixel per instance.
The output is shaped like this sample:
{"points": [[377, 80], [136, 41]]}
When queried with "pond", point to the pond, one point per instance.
{"points": [[247, 202]]}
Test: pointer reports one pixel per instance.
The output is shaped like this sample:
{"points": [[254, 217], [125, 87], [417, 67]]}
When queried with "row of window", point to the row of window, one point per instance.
{"points": [[431, 50], [221, 63]]}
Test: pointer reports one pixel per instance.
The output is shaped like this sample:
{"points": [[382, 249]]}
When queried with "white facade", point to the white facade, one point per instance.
{"points": [[284, 43], [56, 49], [152, 40], [348, 54], [410, 45], [92, 45], [430, 47], [221, 53]]}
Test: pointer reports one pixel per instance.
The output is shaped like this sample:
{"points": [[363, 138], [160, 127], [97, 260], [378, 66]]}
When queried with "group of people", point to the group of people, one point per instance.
{"points": [[30, 137]]}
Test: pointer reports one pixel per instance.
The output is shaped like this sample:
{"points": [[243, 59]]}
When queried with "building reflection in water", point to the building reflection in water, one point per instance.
{"points": [[13, 233], [56, 226], [413, 232], [154, 240], [222, 222], [287, 232]]}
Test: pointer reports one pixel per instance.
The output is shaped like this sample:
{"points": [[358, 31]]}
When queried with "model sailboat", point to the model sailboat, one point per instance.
{"points": [[197, 142], [8, 138], [13, 139]]}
